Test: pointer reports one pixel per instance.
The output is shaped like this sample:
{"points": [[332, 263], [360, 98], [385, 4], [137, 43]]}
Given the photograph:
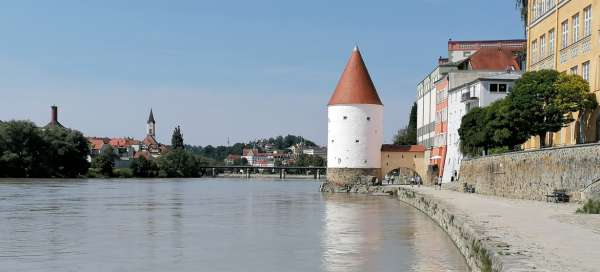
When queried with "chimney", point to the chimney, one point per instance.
{"points": [[54, 117]]}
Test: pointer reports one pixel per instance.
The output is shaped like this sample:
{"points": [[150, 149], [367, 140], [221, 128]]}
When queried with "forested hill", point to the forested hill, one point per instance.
{"points": [[219, 153]]}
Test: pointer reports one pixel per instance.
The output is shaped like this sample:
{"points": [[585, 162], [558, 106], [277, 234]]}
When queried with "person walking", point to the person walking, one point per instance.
{"points": [[439, 183]]}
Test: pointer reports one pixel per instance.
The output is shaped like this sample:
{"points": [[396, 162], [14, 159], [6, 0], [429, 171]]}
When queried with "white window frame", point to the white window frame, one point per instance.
{"points": [[534, 51], [575, 22], [587, 21], [585, 70], [574, 70], [551, 41], [565, 34], [542, 46]]}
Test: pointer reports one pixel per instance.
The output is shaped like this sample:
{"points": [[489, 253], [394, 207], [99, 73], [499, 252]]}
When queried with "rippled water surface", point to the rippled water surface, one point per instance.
{"points": [[212, 225]]}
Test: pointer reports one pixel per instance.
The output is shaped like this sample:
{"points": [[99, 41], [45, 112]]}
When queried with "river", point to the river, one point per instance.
{"points": [[212, 225]]}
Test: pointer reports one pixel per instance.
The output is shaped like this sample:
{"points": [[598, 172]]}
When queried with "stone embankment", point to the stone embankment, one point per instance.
{"points": [[499, 234], [534, 174]]}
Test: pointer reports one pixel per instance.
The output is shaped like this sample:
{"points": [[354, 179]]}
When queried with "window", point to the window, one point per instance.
{"points": [[565, 34], [466, 53], [551, 41], [493, 88], [573, 70], [502, 88], [534, 51], [585, 70], [542, 46], [368, 118], [357, 141], [345, 117], [587, 21], [575, 22]]}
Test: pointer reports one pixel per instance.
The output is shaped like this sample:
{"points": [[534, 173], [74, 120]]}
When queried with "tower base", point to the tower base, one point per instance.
{"points": [[342, 179]]}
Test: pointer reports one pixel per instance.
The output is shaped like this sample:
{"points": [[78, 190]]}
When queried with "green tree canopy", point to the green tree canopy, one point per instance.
{"points": [[408, 135], [177, 139]]}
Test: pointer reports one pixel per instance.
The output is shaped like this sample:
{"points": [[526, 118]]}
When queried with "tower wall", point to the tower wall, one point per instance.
{"points": [[355, 136]]}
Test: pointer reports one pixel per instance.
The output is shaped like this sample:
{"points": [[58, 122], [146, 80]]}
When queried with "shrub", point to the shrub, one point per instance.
{"points": [[590, 207], [122, 173]]}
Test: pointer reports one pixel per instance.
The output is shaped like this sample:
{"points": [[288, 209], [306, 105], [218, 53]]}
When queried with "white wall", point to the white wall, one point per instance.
{"points": [[342, 134]]}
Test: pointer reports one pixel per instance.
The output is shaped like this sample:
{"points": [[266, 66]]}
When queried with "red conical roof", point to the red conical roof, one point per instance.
{"points": [[355, 85]]}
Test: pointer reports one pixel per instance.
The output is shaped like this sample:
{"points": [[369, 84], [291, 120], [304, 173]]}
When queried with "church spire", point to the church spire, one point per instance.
{"points": [[151, 117], [355, 85]]}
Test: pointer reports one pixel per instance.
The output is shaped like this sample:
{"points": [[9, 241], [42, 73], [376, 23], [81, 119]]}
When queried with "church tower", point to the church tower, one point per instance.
{"points": [[355, 126], [151, 125]]}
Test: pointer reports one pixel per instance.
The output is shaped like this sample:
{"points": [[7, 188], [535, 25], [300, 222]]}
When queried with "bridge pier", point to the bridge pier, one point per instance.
{"points": [[214, 174], [318, 174], [247, 172]]}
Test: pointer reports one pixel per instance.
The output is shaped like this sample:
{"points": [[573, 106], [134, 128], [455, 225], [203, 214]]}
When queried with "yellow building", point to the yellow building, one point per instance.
{"points": [[564, 35]]}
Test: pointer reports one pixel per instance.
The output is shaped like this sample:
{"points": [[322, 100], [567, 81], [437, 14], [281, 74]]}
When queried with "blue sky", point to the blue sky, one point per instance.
{"points": [[238, 69]]}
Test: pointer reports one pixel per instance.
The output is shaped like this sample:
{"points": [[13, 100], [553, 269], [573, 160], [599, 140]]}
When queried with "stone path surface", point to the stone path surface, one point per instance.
{"points": [[538, 236]]}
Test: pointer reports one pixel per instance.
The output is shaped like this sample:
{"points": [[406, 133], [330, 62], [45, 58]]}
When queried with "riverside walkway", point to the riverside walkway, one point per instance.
{"points": [[528, 235]]}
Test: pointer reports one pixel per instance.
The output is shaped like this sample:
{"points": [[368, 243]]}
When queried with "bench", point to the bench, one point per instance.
{"points": [[558, 196]]}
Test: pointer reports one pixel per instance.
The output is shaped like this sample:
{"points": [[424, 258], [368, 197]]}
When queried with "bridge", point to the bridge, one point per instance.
{"points": [[317, 171]]}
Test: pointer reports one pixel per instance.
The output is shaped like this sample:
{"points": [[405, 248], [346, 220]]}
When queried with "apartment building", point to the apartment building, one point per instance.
{"points": [[563, 35]]}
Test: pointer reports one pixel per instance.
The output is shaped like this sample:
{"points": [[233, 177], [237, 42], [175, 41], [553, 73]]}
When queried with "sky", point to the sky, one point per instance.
{"points": [[241, 70]]}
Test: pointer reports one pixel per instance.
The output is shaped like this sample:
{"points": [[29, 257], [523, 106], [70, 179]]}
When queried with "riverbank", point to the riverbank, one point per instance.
{"points": [[499, 234]]}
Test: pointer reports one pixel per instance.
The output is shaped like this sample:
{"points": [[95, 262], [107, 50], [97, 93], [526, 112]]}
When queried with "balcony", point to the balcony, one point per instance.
{"points": [[467, 97]]}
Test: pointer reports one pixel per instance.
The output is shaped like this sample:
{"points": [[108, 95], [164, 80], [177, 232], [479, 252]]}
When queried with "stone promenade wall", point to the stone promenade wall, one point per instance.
{"points": [[481, 254], [533, 174]]}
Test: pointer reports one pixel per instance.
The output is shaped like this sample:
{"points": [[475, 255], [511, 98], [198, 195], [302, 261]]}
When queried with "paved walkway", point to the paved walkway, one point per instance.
{"points": [[542, 236]]}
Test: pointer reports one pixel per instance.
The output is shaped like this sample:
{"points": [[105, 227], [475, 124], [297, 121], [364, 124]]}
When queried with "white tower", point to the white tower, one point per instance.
{"points": [[355, 126], [151, 125]]}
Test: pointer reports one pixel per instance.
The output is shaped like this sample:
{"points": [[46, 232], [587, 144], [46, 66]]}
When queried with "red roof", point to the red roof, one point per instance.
{"points": [[144, 154], [402, 148], [232, 157], [150, 141], [355, 85], [96, 143], [123, 142], [245, 151], [493, 59]]}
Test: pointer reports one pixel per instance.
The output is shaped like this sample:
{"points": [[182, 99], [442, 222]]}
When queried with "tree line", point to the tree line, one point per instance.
{"points": [[28, 151], [541, 102]]}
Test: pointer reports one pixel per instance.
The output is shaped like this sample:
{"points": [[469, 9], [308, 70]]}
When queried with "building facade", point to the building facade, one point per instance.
{"points": [[467, 60], [355, 126], [563, 35], [461, 99]]}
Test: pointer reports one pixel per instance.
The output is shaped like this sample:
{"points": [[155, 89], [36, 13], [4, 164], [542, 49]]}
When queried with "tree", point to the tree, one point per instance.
{"points": [[408, 135], [142, 167], [574, 93], [179, 163], [104, 164], [66, 152], [21, 150], [522, 6], [473, 136], [542, 101], [177, 139]]}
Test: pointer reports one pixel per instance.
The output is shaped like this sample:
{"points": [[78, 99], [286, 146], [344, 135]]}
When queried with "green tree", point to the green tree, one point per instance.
{"points": [[543, 100], [179, 163], [408, 135], [21, 150], [104, 164], [142, 167], [66, 152], [473, 133], [177, 139]]}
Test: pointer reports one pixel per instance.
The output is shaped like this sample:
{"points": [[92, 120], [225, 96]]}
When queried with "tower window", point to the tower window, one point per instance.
{"points": [[365, 161], [357, 141], [368, 118], [345, 117], [332, 141]]}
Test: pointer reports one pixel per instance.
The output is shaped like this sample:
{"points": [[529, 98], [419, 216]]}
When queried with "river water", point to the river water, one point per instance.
{"points": [[212, 225]]}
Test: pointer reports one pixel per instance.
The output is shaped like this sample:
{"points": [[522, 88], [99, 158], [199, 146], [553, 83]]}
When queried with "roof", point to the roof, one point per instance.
{"points": [[96, 143], [151, 117], [355, 85], [493, 59], [246, 151], [150, 140], [123, 142], [402, 148], [144, 154]]}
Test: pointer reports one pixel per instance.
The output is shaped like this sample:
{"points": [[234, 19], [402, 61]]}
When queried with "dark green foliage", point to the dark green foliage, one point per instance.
{"points": [[177, 139], [305, 160], [590, 207], [242, 161], [408, 135], [540, 102], [522, 6], [104, 164], [180, 163], [141, 167], [28, 151]]}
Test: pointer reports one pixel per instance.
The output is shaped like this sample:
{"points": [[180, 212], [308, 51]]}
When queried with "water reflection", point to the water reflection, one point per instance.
{"points": [[211, 225]]}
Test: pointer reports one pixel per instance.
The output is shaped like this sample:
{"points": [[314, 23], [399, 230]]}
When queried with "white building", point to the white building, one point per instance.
{"points": [[355, 125], [477, 93]]}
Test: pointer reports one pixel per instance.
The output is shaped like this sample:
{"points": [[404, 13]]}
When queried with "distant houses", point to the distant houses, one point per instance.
{"points": [[126, 149], [265, 155]]}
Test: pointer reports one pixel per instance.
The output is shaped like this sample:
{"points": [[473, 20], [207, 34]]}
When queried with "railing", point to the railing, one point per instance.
{"points": [[584, 45], [467, 97]]}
